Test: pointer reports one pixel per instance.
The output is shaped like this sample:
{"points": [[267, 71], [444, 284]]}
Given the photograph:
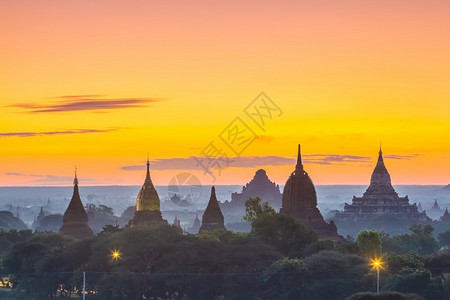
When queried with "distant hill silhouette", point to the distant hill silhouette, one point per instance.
{"points": [[8, 221]]}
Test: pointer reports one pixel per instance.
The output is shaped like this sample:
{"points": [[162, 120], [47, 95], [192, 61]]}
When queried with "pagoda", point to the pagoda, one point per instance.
{"points": [[38, 220], [148, 211], [379, 199], [75, 219], [212, 217], [300, 201], [196, 226], [446, 216], [177, 222], [435, 212], [260, 186]]}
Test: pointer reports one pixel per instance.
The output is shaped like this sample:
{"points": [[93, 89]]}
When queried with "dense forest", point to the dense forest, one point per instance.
{"points": [[279, 259]]}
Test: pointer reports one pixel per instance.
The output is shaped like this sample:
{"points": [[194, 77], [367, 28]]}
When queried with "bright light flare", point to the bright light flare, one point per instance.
{"points": [[377, 263], [115, 254]]}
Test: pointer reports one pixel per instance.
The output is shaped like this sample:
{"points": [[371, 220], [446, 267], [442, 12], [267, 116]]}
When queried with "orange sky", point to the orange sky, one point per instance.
{"points": [[98, 84]]}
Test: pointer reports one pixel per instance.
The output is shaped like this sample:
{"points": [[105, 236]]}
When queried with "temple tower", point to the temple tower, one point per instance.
{"points": [[75, 219], [299, 200], [212, 217], [196, 226], [148, 211], [379, 199], [446, 216]]}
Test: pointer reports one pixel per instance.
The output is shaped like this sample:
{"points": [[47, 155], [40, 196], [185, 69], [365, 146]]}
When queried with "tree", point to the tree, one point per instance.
{"points": [[283, 232], [419, 281], [369, 243], [384, 296], [444, 238], [420, 240], [285, 279], [254, 209], [334, 275], [41, 263]]}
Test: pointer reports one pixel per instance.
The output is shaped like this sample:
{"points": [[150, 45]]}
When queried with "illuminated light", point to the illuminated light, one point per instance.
{"points": [[115, 254], [377, 263]]}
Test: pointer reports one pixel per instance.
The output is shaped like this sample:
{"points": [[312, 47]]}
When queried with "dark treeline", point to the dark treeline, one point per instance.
{"points": [[279, 259]]}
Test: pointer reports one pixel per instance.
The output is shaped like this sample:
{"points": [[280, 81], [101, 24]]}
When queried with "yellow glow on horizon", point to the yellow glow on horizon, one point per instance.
{"points": [[345, 76]]}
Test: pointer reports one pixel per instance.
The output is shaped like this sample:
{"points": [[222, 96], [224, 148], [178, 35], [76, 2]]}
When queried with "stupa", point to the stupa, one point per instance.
{"points": [[196, 226], [260, 186], [75, 219], [379, 199], [445, 217], [212, 217], [148, 211], [300, 201]]}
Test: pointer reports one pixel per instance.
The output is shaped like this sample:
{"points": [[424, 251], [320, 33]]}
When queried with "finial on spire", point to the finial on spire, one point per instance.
{"points": [[380, 152], [75, 181], [147, 177], [299, 165]]}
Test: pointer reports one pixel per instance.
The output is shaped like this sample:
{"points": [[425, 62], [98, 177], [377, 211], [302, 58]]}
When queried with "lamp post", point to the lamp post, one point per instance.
{"points": [[84, 285], [377, 264]]}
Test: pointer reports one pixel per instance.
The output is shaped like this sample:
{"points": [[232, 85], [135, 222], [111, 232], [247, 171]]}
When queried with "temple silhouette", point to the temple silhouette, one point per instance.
{"points": [[260, 186], [445, 217], [212, 218], [148, 212], [379, 199], [195, 226], [75, 219], [300, 201]]}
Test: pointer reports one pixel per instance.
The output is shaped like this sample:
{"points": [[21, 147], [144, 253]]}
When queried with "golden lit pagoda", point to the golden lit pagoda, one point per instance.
{"points": [[147, 204]]}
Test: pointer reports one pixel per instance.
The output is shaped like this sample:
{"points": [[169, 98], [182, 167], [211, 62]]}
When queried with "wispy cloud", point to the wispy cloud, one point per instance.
{"points": [[406, 156], [57, 132], [49, 179], [328, 159], [86, 103], [190, 163]]}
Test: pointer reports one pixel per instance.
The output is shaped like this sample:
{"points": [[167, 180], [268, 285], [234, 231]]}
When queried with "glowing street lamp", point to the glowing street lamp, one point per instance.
{"points": [[115, 254], [377, 264]]}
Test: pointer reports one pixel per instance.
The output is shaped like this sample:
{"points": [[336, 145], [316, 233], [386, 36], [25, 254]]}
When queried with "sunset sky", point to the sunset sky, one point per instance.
{"points": [[98, 84]]}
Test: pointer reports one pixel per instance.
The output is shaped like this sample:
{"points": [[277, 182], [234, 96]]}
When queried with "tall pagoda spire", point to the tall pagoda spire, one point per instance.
{"points": [[148, 211], [75, 219], [212, 218], [75, 180], [380, 181], [148, 198], [380, 167], [299, 200], [299, 166], [148, 180]]}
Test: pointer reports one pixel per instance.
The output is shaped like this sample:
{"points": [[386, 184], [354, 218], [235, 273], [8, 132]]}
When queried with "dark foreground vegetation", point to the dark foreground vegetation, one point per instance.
{"points": [[280, 259]]}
